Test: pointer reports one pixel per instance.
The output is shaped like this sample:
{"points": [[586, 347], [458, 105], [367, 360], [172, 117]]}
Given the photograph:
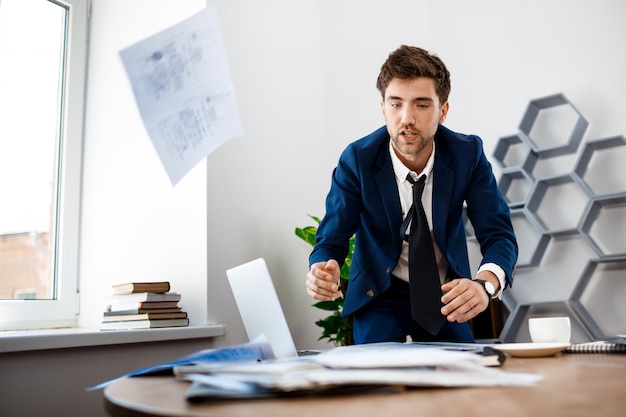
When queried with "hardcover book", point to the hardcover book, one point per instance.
{"points": [[135, 287], [142, 310], [144, 316], [138, 306], [144, 324], [143, 296]]}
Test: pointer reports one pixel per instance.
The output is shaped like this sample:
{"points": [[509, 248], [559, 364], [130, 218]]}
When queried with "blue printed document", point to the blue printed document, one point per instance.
{"points": [[257, 350]]}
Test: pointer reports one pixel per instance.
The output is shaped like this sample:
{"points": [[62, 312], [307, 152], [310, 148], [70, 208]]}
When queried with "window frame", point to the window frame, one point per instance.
{"points": [[62, 310]]}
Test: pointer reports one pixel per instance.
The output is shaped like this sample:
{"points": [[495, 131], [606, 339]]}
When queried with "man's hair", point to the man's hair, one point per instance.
{"points": [[409, 62]]}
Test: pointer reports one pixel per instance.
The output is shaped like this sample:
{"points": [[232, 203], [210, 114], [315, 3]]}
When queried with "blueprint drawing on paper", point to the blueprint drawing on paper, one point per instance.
{"points": [[181, 83]]}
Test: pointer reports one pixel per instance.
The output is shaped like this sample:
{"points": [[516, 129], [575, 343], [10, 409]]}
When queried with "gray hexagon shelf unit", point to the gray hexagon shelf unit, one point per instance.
{"points": [[600, 166], [557, 204], [512, 152], [604, 225], [531, 240], [601, 281], [590, 201], [553, 126], [515, 186]]}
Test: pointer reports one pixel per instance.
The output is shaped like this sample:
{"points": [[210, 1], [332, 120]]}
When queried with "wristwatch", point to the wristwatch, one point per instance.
{"points": [[488, 286]]}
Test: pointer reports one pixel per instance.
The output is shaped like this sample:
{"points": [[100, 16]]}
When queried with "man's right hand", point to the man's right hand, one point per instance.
{"points": [[322, 280]]}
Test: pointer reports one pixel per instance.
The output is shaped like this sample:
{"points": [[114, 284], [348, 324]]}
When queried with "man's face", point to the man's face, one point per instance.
{"points": [[412, 112]]}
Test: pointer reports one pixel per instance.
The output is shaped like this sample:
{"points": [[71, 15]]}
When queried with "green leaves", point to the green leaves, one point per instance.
{"points": [[308, 233], [326, 305], [335, 328]]}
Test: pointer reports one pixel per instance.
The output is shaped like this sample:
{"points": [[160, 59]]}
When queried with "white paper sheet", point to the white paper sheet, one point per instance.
{"points": [[181, 82], [390, 355]]}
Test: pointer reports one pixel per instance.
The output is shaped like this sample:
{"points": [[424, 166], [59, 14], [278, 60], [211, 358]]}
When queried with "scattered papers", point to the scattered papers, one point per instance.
{"points": [[183, 90], [346, 369], [252, 371], [322, 380]]}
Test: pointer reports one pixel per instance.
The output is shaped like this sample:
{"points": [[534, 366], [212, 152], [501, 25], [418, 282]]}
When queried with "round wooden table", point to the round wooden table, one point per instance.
{"points": [[574, 385]]}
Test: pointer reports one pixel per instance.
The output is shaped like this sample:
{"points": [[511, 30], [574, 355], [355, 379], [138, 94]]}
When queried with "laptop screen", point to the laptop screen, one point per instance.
{"points": [[259, 306]]}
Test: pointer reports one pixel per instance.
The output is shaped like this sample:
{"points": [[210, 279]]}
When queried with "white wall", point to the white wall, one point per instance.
{"points": [[135, 225], [305, 71]]}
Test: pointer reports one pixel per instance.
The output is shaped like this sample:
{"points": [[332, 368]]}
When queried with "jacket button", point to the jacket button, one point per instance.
{"points": [[370, 293]]}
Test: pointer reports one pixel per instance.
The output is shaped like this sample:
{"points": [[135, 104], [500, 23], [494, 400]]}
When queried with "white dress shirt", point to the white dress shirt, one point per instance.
{"points": [[405, 189]]}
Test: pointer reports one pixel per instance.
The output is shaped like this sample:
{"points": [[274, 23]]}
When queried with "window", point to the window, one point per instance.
{"points": [[43, 47]]}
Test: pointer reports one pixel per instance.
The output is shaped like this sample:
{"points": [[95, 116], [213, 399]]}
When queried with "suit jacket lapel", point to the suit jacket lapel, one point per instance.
{"points": [[386, 183], [443, 183]]}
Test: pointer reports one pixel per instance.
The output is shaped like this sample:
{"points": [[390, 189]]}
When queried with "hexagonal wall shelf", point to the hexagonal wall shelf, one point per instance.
{"points": [[557, 204], [511, 151], [553, 126], [515, 186], [601, 165], [600, 282], [585, 208], [532, 242], [514, 153], [604, 225]]}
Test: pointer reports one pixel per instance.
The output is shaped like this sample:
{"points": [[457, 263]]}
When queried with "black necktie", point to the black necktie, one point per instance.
{"points": [[424, 284]]}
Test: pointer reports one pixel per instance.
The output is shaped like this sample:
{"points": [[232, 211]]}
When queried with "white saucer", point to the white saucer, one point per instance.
{"points": [[528, 350]]}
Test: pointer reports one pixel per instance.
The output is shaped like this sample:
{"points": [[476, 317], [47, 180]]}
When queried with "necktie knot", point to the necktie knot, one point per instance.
{"points": [[418, 189], [420, 180], [418, 186]]}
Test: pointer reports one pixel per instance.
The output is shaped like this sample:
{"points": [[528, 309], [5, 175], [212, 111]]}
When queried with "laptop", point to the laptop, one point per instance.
{"points": [[260, 308]]}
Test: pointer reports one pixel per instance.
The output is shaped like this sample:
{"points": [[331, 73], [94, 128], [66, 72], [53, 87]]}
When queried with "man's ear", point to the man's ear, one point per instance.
{"points": [[444, 112]]}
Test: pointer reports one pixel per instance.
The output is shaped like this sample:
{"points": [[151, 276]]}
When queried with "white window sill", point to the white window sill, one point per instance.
{"points": [[24, 340]]}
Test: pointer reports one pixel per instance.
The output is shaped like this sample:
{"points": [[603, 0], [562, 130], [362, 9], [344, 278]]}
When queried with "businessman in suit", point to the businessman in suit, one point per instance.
{"points": [[370, 196]]}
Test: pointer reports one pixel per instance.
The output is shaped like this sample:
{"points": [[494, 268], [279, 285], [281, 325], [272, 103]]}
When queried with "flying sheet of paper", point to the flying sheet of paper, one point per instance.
{"points": [[181, 82]]}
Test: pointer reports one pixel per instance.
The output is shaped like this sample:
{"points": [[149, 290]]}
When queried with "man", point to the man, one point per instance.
{"points": [[370, 196]]}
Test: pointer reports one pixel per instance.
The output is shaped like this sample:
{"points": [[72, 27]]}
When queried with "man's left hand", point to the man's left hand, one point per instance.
{"points": [[463, 300]]}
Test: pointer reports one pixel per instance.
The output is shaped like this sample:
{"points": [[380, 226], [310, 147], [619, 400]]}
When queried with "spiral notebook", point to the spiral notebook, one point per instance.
{"points": [[617, 345]]}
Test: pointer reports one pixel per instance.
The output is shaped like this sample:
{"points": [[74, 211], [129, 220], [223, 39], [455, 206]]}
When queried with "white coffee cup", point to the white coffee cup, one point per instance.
{"points": [[550, 329]]}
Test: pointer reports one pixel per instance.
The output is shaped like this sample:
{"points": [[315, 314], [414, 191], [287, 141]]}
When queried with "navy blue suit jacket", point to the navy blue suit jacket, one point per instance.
{"points": [[364, 200]]}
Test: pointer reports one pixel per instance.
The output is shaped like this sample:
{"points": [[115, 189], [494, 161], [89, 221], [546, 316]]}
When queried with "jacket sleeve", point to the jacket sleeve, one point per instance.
{"points": [[343, 208], [490, 216]]}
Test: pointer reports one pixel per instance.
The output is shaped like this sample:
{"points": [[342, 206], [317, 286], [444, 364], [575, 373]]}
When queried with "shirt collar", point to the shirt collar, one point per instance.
{"points": [[402, 171]]}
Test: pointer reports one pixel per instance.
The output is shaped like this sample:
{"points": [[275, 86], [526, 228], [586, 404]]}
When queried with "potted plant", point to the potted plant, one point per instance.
{"points": [[335, 327]]}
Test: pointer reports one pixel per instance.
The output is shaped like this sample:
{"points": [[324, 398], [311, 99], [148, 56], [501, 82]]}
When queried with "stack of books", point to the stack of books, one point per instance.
{"points": [[143, 305]]}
